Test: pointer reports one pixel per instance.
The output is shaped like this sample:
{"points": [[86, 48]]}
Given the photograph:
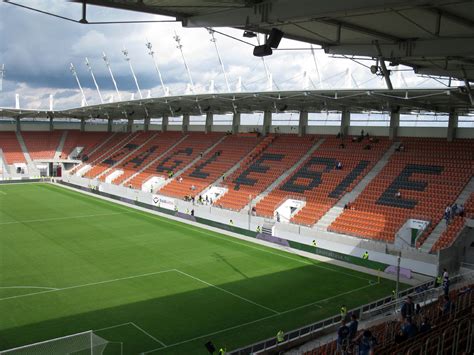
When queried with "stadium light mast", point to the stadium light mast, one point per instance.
{"points": [[106, 60], [2, 74], [157, 68], [74, 74], [127, 59], [89, 67], [180, 47], [213, 40]]}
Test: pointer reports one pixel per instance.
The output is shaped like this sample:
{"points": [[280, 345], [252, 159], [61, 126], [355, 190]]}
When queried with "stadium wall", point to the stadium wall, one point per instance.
{"points": [[297, 237], [434, 132]]}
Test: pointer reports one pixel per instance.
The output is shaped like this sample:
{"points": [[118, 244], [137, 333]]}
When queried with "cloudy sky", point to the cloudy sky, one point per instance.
{"points": [[37, 51]]}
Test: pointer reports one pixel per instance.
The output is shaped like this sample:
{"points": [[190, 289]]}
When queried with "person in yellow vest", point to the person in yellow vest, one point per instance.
{"points": [[365, 256], [222, 351], [343, 311], [394, 294], [231, 222], [280, 336], [258, 229], [314, 243], [438, 281]]}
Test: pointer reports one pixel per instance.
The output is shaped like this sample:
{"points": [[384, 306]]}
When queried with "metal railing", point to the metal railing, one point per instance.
{"points": [[387, 306]]}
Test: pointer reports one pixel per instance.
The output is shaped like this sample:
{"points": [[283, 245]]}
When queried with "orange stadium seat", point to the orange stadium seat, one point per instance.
{"points": [[42, 145], [11, 148], [319, 183], [429, 174], [212, 166], [275, 155], [176, 159]]}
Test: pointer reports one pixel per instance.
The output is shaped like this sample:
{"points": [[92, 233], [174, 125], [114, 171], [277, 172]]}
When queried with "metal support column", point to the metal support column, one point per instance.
{"points": [[185, 126], [303, 123], [452, 126], [236, 123], [394, 123], [209, 122], [267, 122], [164, 123]]}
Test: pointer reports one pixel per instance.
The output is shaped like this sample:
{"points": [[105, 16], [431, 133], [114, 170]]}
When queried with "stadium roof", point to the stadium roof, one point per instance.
{"points": [[406, 101], [434, 37]]}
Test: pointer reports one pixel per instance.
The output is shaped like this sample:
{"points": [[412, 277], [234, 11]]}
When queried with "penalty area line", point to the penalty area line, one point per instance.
{"points": [[256, 320]]}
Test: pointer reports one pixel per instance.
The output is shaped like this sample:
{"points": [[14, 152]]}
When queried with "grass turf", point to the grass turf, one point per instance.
{"points": [[71, 262]]}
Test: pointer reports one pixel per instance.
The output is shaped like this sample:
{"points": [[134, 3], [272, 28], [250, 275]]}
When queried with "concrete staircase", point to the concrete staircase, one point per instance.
{"points": [[127, 139], [338, 208], [79, 166], [4, 165], [32, 169], [441, 227], [108, 170], [60, 146], [154, 160], [194, 161], [287, 173]]}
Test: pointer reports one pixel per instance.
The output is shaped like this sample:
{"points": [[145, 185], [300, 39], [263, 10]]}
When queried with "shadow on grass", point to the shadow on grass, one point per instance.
{"points": [[184, 312]]}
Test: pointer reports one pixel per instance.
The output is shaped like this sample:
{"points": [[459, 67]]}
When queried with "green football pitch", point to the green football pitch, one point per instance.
{"points": [[71, 262]]}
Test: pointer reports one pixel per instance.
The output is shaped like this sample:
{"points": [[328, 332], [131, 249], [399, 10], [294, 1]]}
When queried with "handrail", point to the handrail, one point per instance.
{"points": [[422, 293]]}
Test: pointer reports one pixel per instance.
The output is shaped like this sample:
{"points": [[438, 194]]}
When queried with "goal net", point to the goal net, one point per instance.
{"points": [[75, 344]]}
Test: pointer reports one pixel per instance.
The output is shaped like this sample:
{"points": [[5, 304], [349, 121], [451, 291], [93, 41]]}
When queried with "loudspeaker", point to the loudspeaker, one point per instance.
{"points": [[262, 51], [274, 38], [210, 347]]}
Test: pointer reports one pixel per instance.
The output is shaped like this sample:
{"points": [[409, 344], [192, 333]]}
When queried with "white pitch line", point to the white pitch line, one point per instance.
{"points": [[202, 231], [255, 321], [148, 334], [27, 287], [88, 284], [63, 218], [113, 326], [228, 292]]}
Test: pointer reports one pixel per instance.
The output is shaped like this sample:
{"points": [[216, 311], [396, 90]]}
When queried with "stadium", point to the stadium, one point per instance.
{"points": [[232, 219]]}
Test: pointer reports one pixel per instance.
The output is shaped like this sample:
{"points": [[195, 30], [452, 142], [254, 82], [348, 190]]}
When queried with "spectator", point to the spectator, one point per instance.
{"points": [[398, 194], [368, 147], [180, 179], [342, 145], [343, 312], [278, 217], [342, 337], [445, 306], [447, 214], [192, 212], [445, 274], [446, 284], [367, 343], [338, 165], [280, 336], [408, 308], [454, 209], [461, 210], [400, 148], [409, 330], [425, 325], [353, 326], [193, 187]]}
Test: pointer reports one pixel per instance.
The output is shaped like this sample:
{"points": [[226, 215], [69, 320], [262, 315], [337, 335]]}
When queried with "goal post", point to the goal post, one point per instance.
{"points": [[84, 343]]}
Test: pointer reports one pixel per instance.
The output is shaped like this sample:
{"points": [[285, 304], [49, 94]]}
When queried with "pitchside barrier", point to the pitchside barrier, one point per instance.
{"points": [[424, 293], [75, 344], [236, 229]]}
